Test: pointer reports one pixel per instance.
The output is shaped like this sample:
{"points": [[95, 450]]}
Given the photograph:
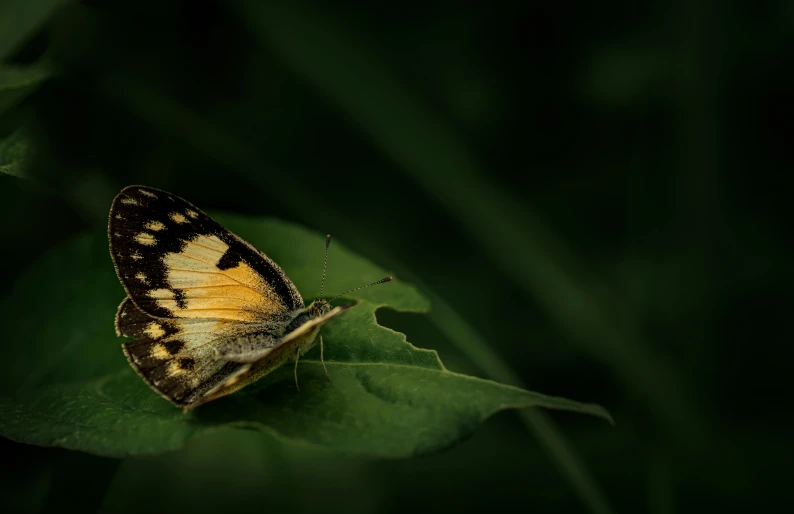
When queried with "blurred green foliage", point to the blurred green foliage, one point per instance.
{"points": [[593, 196]]}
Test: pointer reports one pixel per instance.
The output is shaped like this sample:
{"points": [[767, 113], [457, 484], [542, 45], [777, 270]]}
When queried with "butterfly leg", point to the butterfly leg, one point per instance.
{"points": [[322, 359], [297, 356]]}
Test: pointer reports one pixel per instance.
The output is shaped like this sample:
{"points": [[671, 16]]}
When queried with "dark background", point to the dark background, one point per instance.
{"points": [[593, 195]]}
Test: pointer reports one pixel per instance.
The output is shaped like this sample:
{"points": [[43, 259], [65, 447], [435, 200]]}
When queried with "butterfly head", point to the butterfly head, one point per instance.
{"points": [[319, 308]]}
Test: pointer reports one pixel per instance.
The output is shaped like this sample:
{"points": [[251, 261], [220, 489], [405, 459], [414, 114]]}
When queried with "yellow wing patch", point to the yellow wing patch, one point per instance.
{"points": [[145, 239], [154, 226], [178, 217], [154, 330], [237, 293]]}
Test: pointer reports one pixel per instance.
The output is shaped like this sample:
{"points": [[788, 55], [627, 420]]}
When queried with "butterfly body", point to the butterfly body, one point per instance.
{"points": [[262, 367], [280, 354], [208, 313]]}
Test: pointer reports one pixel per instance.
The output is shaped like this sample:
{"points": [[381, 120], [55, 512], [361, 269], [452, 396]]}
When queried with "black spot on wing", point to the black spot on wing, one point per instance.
{"points": [[173, 347], [179, 298], [230, 259], [187, 364]]}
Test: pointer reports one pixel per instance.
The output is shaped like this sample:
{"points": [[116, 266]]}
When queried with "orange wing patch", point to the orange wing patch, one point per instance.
{"points": [[237, 293]]}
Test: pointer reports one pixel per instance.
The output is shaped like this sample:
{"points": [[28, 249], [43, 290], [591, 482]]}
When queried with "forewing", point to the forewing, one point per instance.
{"points": [[174, 261], [176, 356]]}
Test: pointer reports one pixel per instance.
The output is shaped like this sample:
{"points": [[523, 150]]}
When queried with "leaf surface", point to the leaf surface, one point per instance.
{"points": [[67, 383]]}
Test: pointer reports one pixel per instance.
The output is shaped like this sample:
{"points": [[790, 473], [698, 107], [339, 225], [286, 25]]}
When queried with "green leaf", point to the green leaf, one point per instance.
{"points": [[69, 385], [13, 151], [222, 147], [560, 450], [204, 135]]}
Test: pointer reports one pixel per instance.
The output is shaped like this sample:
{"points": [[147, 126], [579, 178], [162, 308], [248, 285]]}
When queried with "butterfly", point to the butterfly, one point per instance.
{"points": [[208, 312]]}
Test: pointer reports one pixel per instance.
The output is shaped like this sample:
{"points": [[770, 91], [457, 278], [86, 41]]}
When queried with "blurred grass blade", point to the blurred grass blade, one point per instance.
{"points": [[516, 239], [18, 82], [20, 19], [13, 152]]}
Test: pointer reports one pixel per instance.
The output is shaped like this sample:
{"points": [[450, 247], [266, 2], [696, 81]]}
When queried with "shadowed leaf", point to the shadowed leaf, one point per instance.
{"points": [[386, 398]]}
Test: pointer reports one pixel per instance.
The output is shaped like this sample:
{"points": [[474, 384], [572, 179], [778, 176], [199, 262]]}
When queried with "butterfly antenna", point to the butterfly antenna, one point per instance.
{"points": [[325, 264], [381, 281]]}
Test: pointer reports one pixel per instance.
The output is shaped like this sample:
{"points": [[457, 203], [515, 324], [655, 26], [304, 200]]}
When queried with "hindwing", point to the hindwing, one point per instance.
{"points": [[176, 356]]}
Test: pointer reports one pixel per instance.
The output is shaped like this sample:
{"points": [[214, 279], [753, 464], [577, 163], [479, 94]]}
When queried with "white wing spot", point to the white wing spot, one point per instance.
{"points": [[119, 217], [192, 214], [154, 330], [178, 218], [129, 201], [142, 277], [154, 226], [148, 193], [145, 239], [136, 256]]}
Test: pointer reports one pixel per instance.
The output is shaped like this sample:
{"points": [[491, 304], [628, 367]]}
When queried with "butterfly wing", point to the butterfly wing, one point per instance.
{"points": [[191, 283], [174, 261], [175, 356]]}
